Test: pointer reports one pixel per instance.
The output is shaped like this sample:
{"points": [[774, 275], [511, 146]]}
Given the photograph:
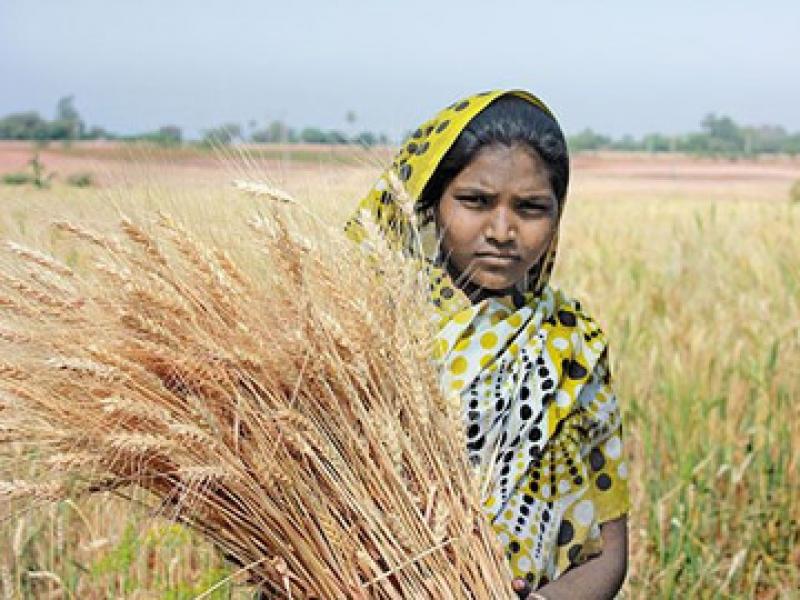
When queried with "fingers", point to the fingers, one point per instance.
{"points": [[521, 587]]}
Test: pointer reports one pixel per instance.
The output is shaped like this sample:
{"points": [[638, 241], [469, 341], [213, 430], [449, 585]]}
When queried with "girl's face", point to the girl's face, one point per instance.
{"points": [[496, 219]]}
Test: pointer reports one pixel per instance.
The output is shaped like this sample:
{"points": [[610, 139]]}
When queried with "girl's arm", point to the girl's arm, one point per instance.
{"points": [[598, 578]]}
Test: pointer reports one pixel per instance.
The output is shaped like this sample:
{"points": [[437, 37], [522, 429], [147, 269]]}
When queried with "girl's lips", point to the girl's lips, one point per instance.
{"points": [[496, 259], [497, 255]]}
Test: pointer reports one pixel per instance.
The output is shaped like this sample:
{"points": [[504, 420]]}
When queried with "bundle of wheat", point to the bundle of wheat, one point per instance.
{"points": [[294, 418]]}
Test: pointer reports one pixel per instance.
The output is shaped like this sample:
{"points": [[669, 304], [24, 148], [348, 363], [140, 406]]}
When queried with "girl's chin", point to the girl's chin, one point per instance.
{"points": [[484, 282], [490, 286], [494, 282]]}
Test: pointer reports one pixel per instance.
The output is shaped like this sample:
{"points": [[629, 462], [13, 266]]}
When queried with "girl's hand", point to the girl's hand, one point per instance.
{"points": [[521, 587], [523, 590], [600, 576]]}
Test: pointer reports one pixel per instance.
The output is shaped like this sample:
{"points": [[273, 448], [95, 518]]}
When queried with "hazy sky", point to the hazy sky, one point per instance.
{"points": [[627, 66]]}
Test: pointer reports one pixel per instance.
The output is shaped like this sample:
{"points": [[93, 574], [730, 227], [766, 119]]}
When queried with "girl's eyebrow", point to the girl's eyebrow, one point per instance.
{"points": [[471, 190], [538, 196], [532, 195]]}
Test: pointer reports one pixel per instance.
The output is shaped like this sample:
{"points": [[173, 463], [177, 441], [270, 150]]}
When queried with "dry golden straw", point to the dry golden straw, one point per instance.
{"points": [[286, 408]]}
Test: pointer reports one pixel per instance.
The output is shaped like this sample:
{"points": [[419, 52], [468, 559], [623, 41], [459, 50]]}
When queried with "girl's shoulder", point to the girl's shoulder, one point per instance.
{"points": [[571, 312]]}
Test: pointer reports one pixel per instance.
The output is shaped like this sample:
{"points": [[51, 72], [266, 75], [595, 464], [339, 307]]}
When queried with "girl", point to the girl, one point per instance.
{"points": [[489, 175]]}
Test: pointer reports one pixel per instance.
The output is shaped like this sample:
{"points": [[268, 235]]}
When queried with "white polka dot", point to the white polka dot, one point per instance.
{"points": [[622, 470], [503, 537], [597, 345], [563, 486], [545, 491], [560, 343], [381, 185], [524, 563], [576, 340], [563, 399], [614, 447], [560, 469], [584, 512]]}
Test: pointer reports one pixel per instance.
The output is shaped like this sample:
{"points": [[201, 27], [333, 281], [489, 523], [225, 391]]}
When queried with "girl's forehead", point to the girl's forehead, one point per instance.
{"points": [[504, 166]]}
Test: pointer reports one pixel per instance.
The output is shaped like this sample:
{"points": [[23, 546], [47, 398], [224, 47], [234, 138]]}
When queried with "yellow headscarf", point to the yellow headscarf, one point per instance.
{"points": [[532, 372]]}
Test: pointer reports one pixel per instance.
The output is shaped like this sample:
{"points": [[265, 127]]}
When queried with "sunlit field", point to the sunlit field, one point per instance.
{"points": [[691, 265]]}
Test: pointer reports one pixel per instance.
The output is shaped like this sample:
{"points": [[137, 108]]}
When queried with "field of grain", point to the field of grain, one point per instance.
{"points": [[691, 265]]}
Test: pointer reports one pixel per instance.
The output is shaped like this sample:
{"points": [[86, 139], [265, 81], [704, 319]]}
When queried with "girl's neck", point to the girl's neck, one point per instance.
{"points": [[474, 292]]}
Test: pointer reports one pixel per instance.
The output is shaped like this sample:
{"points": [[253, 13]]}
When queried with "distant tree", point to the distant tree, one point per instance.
{"points": [[166, 135], [224, 134], [279, 131], [260, 136], [24, 126], [350, 117], [627, 143], [366, 138], [313, 135], [656, 142], [170, 134], [588, 140], [724, 136], [68, 119], [65, 109], [792, 144], [766, 138], [97, 133], [275, 132], [693, 143], [335, 136], [62, 130]]}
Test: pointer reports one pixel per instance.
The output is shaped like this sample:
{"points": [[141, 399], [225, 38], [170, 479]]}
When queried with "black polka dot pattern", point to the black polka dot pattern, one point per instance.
{"points": [[596, 459], [565, 533], [573, 369], [567, 318], [574, 554], [552, 468]]}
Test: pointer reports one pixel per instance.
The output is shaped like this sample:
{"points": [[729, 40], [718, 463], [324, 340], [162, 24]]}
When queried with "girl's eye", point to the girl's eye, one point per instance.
{"points": [[535, 207], [531, 207], [474, 200]]}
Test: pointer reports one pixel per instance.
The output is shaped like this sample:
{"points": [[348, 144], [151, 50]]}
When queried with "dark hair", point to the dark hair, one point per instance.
{"points": [[509, 120]]}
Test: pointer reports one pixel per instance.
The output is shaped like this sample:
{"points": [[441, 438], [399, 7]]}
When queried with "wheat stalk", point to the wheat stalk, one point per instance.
{"points": [[299, 425]]}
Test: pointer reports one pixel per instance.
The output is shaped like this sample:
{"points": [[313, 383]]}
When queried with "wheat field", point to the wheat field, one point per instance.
{"points": [[693, 269]]}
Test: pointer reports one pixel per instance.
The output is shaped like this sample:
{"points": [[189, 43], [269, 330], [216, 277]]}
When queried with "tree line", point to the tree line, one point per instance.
{"points": [[718, 135], [69, 126]]}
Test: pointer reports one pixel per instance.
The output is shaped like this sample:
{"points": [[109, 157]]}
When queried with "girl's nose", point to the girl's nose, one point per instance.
{"points": [[500, 227]]}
